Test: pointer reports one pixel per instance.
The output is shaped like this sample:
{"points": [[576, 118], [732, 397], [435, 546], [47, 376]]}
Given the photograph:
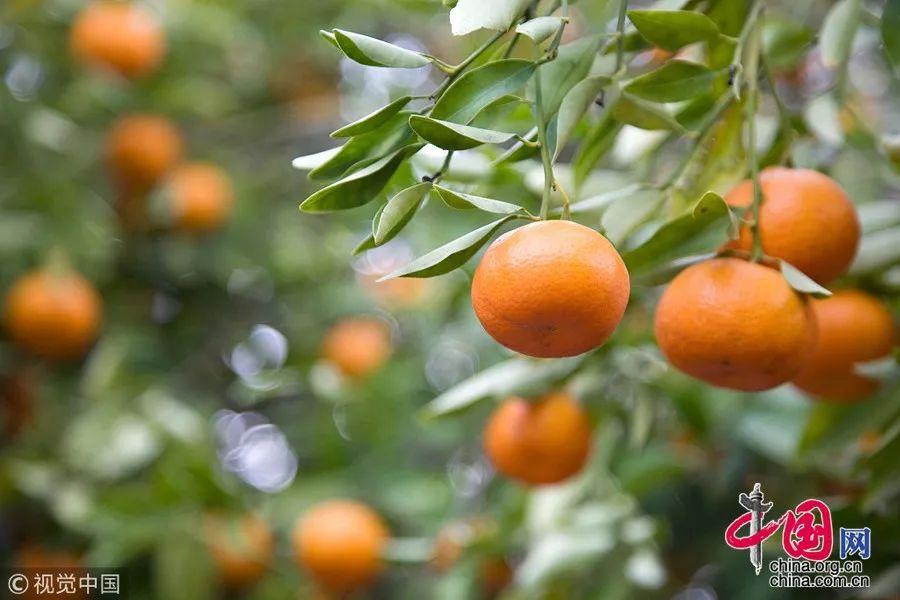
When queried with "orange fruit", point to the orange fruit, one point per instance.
{"points": [[551, 289], [854, 327], [340, 543], [120, 37], [201, 197], [539, 442], [805, 218], [357, 346], [495, 574], [734, 324], [55, 315], [242, 548], [141, 149]]}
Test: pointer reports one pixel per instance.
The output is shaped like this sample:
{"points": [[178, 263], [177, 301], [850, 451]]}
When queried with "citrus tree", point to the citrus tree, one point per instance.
{"points": [[589, 271]]}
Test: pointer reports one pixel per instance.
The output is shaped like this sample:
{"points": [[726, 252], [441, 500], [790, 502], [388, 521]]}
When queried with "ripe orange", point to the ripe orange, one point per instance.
{"points": [[551, 289], [241, 548], [201, 197], [123, 38], [357, 346], [54, 315], [539, 442], [854, 327], [141, 149], [340, 543], [805, 218], [734, 324]]}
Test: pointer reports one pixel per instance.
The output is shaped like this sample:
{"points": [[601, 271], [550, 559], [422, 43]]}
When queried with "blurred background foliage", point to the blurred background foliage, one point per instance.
{"points": [[207, 391]]}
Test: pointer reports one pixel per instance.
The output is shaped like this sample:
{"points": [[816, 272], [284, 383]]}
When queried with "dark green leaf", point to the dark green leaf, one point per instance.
{"points": [[372, 120], [676, 80], [360, 187], [598, 141], [673, 29], [574, 105], [479, 87], [540, 29], [802, 282], [452, 255], [644, 115], [704, 229], [398, 211], [890, 31], [391, 135], [329, 37], [452, 136], [838, 31], [462, 201], [628, 211], [375, 53], [514, 376], [562, 74], [785, 42]]}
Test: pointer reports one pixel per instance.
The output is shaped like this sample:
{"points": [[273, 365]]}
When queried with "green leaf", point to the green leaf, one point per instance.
{"points": [[838, 31], [329, 37], [628, 211], [375, 53], [890, 31], [360, 187], [604, 200], [470, 15], [372, 120], [309, 162], [540, 29], [452, 255], [704, 229], [479, 87], [785, 42], [572, 64], [515, 376], [519, 151], [398, 211], [598, 141], [461, 201], [674, 81], [391, 135], [673, 29], [451, 136], [574, 105], [802, 282], [367, 243], [644, 115]]}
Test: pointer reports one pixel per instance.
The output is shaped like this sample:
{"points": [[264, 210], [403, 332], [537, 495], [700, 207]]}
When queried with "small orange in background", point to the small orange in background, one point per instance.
{"points": [[340, 543], [242, 548], [200, 197], [541, 442], [805, 218], [854, 327], [734, 324], [120, 37], [357, 346], [54, 314], [142, 149], [551, 289]]}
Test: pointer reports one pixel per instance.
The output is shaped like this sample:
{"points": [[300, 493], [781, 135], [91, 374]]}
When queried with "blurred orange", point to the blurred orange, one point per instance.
{"points": [[141, 149], [201, 197], [242, 548], [121, 37], [357, 346]]}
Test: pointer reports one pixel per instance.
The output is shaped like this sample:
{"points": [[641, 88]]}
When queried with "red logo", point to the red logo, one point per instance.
{"points": [[806, 531]]}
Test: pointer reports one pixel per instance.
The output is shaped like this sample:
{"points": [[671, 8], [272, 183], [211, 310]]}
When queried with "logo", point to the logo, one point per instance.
{"points": [[807, 537]]}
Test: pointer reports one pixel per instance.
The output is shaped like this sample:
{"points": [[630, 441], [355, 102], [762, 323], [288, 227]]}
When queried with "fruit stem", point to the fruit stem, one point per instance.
{"points": [[620, 35], [542, 139], [751, 66]]}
